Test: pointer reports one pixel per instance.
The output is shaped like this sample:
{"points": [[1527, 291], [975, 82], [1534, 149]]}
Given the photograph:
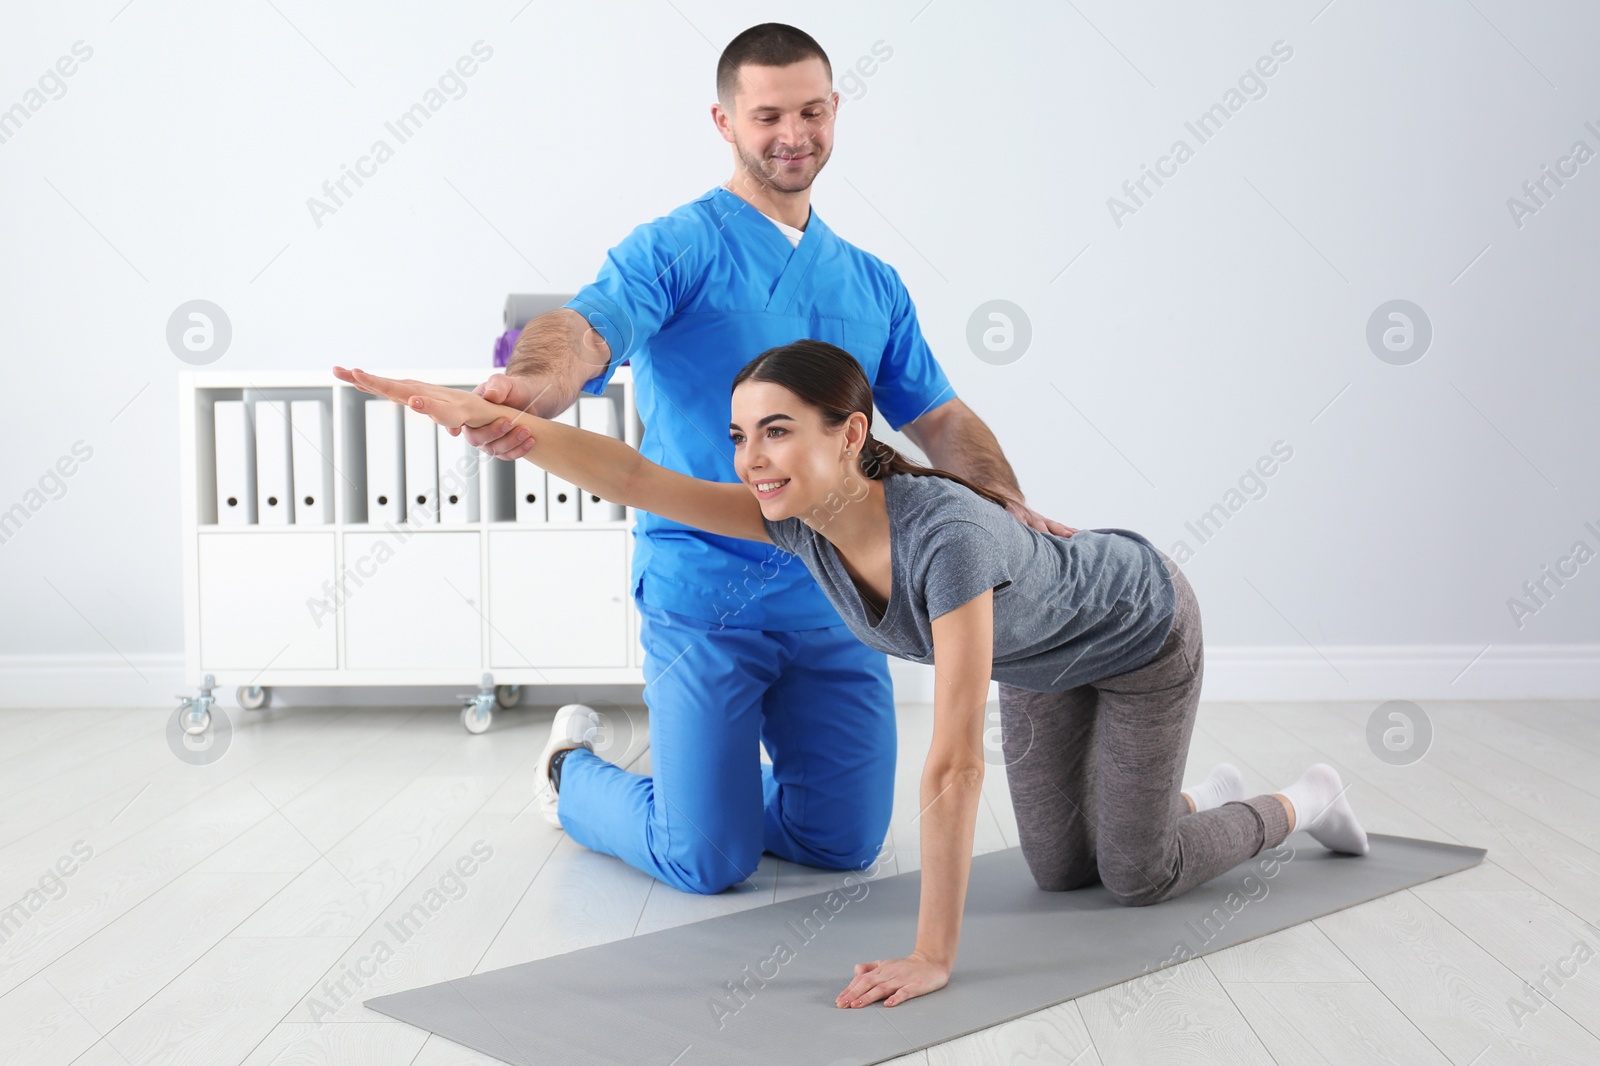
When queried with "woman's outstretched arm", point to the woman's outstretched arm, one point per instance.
{"points": [[952, 783], [596, 463]]}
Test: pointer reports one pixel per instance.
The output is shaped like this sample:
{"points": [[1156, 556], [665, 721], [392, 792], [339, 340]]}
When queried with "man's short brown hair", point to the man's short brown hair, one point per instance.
{"points": [[771, 44]]}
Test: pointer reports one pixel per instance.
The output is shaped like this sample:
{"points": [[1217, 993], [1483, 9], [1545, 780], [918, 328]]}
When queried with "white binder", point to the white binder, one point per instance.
{"points": [[311, 444], [532, 491], [236, 463], [458, 478], [598, 414], [422, 468], [562, 495], [385, 474], [274, 492]]}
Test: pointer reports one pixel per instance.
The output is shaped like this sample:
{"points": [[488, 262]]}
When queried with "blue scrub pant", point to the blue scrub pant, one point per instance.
{"points": [[819, 699]]}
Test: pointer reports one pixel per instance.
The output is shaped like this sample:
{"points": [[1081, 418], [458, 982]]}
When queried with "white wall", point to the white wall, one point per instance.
{"points": [[1168, 353]]}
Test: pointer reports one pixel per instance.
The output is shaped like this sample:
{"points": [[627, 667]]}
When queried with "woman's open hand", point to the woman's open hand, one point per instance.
{"points": [[898, 979], [448, 407]]}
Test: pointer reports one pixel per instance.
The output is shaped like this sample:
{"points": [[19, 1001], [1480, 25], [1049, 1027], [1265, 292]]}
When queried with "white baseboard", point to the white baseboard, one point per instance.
{"points": [[92, 680], [1266, 674]]}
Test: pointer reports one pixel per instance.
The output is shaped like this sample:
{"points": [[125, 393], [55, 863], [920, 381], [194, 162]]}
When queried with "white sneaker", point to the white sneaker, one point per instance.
{"points": [[575, 726]]}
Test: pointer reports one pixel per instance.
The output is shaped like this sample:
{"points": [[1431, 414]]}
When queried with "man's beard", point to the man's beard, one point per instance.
{"points": [[771, 171]]}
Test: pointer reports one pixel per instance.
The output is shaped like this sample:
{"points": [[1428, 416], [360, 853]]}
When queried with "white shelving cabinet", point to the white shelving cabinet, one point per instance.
{"points": [[491, 602]]}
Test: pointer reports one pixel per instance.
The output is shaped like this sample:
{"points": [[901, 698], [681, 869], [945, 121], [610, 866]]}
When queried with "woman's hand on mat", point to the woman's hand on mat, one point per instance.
{"points": [[1029, 517], [898, 979], [446, 406]]}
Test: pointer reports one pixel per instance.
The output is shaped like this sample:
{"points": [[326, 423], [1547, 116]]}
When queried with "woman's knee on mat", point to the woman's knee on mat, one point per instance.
{"points": [[1063, 876], [1132, 888], [1139, 899]]}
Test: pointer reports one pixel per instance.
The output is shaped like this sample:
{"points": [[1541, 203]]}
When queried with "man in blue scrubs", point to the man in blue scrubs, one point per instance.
{"points": [[740, 643]]}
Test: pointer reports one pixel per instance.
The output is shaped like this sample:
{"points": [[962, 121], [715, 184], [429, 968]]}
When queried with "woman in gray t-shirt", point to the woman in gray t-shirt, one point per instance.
{"points": [[1095, 639]]}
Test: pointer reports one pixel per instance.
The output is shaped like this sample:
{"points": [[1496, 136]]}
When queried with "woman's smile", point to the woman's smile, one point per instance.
{"points": [[766, 489]]}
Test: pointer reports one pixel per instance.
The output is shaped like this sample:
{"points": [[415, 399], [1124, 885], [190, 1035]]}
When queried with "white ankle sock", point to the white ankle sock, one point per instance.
{"points": [[1321, 809], [1224, 784]]}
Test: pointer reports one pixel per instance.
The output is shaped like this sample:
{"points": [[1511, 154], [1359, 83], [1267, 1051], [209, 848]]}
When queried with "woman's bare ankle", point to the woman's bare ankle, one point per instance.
{"points": [[1288, 808]]}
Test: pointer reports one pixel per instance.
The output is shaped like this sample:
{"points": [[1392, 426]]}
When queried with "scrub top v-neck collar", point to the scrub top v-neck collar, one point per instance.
{"points": [[798, 258], [894, 586], [739, 204]]}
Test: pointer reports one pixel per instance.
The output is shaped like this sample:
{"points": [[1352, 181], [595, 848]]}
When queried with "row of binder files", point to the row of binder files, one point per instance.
{"points": [[274, 467]]}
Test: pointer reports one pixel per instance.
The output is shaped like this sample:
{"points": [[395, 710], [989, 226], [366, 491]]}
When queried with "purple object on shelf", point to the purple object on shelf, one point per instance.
{"points": [[507, 342], [504, 346]]}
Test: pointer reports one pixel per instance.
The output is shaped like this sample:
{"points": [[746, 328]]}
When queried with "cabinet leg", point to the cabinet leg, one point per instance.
{"points": [[198, 731], [196, 710], [478, 710]]}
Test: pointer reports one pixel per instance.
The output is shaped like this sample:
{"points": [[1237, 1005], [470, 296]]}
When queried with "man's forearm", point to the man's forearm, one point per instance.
{"points": [[965, 446], [552, 351]]}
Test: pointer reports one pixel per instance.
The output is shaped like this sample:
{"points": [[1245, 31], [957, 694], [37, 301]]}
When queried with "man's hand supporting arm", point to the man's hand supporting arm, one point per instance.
{"points": [[556, 353]]}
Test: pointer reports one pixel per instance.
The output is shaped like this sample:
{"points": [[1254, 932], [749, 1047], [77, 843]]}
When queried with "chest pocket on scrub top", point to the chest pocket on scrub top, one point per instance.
{"points": [[864, 340]]}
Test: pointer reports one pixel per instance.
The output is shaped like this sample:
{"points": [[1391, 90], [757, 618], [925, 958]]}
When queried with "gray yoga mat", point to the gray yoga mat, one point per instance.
{"points": [[759, 985]]}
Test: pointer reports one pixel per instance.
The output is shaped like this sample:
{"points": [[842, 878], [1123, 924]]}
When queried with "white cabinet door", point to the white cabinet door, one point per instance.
{"points": [[412, 604], [265, 601], [556, 598]]}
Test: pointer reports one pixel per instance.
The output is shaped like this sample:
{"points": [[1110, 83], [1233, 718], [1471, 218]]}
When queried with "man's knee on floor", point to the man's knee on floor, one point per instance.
{"points": [[858, 848], [713, 871], [710, 886], [866, 859]]}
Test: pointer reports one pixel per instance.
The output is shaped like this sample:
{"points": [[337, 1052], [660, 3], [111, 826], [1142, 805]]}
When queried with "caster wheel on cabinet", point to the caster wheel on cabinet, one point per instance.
{"points": [[476, 718], [253, 697], [508, 696]]}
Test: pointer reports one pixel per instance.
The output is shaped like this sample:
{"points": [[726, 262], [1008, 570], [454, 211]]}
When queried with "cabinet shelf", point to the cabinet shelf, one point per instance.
{"points": [[368, 527], [349, 601]]}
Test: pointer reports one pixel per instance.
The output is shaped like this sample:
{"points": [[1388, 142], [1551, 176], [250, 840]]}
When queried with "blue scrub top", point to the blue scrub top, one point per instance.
{"points": [[690, 298]]}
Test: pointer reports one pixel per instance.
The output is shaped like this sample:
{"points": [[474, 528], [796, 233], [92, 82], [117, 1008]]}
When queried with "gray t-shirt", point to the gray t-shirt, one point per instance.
{"points": [[1067, 610]]}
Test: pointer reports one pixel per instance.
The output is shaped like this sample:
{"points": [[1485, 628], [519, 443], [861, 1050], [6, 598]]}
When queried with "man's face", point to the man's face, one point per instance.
{"points": [[782, 123]]}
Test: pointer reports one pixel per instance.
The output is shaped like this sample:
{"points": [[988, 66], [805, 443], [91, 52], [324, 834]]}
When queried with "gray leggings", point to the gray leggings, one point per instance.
{"points": [[1096, 775]]}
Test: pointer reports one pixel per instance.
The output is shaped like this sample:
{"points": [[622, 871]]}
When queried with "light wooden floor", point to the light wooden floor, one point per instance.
{"points": [[213, 910]]}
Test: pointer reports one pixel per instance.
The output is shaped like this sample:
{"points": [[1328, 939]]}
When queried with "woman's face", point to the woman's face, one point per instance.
{"points": [[778, 438]]}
